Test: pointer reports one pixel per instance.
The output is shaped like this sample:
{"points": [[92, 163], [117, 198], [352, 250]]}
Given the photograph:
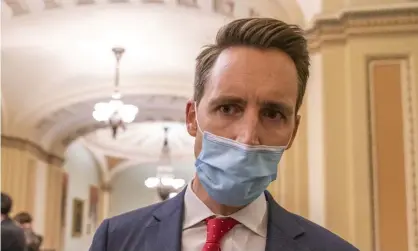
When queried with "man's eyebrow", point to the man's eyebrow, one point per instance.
{"points": [[224, 100], [277, 105], [284, 107]]}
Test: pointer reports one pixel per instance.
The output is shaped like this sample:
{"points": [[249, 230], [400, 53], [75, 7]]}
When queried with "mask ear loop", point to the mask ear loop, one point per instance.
{"points": [[290, 140], [197, 121]]}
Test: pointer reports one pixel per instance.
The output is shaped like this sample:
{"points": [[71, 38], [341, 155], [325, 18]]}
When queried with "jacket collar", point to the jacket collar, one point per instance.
{"points": [[165, 229], [282, 230]]}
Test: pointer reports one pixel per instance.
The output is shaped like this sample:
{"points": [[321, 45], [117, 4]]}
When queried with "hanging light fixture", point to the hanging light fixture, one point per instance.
{"points": [[166, 184], [164, 178], [115, 112]]}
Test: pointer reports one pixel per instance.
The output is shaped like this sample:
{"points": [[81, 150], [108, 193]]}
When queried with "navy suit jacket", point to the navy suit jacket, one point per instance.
{"points": [[12, 236], [159, 228]]}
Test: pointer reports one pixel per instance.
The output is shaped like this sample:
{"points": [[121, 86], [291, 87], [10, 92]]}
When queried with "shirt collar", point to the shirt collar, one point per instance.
{"points": [[253, 216], [195, 211]]}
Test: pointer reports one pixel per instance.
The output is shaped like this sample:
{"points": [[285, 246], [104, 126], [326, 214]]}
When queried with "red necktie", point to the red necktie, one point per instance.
{"points": [[216, 229]]}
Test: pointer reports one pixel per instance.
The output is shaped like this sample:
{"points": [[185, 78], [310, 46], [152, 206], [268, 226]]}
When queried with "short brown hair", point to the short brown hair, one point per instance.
{"points": [[23, 217], [262, 33], [6, 204]]}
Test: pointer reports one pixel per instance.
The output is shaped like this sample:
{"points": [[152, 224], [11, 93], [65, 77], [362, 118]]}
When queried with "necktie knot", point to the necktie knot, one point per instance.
{"points": [[216, 229]]}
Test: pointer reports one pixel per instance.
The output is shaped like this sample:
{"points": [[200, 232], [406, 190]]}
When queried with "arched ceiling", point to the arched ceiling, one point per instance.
{"points": [[70, 55], [74, 121], [57, 60], [144, 141]]}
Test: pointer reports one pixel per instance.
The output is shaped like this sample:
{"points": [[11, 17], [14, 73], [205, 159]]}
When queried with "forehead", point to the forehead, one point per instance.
{"points": [[251, 73]]}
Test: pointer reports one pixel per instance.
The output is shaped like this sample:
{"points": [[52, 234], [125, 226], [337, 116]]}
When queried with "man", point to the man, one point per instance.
{"points": [[33, 241], [248, 88], [12, 236]]}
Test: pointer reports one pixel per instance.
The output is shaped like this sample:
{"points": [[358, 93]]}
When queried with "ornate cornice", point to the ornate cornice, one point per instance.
{"points": [[36, 150], [362, 22]]}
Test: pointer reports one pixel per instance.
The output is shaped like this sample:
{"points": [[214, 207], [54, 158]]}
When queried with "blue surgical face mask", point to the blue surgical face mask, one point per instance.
{"points": [[233, 173]]}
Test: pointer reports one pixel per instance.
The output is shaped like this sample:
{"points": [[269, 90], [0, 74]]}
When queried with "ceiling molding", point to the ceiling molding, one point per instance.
{"points": [[18, 7], [224, 7], [33, 148], [113, 162], [69, 123], [144, 141], [134, 163], [287, 10], [188, 3], [80, 131], [162, 85], [391, 19], [26, 7], [151, 107]]}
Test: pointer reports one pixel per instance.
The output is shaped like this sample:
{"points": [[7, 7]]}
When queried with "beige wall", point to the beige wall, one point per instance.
{"points": [[34, 179], [82, 175], [351, 178], [21, 162], [361, 50], [18, 178], [52, 216], [291, 186], [133, 178]]}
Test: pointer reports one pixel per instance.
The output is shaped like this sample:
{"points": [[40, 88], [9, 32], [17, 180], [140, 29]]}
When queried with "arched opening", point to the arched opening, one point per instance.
{"points": [[65, 76]]}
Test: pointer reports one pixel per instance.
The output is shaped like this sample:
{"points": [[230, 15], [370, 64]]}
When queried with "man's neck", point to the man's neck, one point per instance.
{"points": [[214, 206], [4, 217]]}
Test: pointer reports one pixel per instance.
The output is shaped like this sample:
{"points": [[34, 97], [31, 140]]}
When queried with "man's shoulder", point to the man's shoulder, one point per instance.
{"points": [[321, 238], [132, 219], [124, 230], [8, 226], [13, 237]]}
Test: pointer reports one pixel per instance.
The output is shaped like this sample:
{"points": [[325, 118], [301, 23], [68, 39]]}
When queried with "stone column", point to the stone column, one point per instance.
{"points": [[105, 190]]}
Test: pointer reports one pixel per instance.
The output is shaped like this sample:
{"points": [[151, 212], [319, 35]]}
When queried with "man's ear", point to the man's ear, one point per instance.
{"points": [[191, 118], [295, 130]]}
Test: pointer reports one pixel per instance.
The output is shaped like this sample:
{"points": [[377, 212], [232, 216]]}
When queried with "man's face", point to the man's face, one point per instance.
{"points": [[250, 97], [26, 225]]}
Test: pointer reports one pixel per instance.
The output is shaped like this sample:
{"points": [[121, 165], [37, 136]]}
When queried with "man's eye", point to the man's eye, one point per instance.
{"points": [[272, 114], [228, 109]]}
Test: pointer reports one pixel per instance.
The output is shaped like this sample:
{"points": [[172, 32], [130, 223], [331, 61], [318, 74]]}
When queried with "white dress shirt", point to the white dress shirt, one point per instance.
{"points": [[250, 234]]}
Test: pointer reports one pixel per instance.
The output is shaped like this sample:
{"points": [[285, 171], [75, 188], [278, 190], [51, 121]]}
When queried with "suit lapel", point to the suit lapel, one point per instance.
{"points": [[282, 229], [163, 233]]}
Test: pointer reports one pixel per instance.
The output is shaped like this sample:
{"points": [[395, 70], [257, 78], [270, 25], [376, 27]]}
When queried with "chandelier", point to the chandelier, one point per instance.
{"points": [[115, 112], [166, 184]]}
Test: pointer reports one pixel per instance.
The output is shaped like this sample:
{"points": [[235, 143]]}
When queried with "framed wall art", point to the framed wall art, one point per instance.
{"points": [[78, 212]]}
